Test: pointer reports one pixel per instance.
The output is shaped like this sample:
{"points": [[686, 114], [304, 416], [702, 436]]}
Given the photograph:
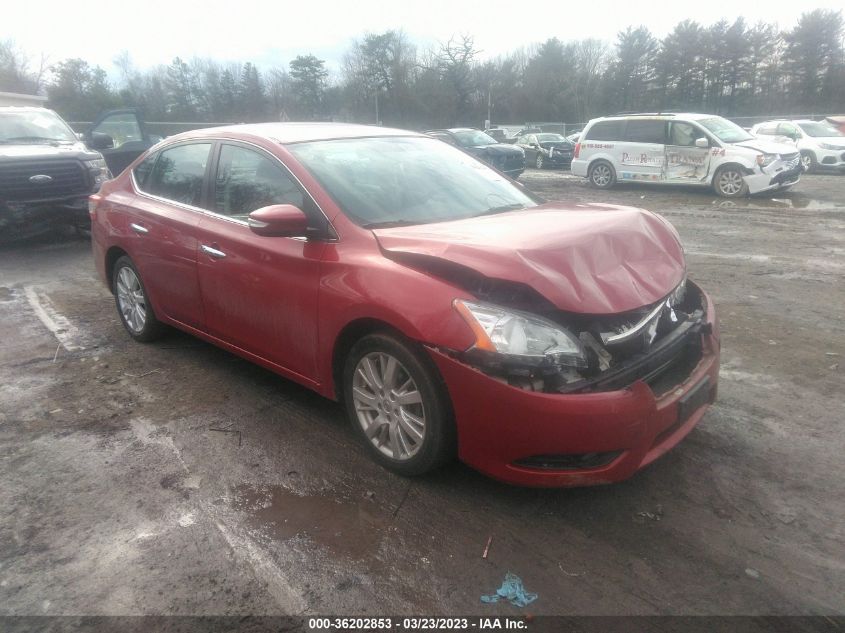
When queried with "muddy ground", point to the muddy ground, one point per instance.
{"points": [[119, 495]]}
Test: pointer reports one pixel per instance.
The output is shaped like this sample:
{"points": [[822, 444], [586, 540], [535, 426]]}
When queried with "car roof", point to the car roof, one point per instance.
{"points": [[286, 133]]}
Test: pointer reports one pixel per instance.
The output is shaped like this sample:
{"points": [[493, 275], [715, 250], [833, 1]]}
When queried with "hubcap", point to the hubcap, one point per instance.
{"points": [[388, 405], [730, 183], [130, 298], [601, 175]]}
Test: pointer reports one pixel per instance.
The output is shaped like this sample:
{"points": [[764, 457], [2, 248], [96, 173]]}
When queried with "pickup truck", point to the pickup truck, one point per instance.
{"points": [[47, 171]]}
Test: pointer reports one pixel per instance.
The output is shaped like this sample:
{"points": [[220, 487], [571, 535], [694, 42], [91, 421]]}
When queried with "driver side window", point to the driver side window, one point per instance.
{"points": [[682, 134], [247, 180]]}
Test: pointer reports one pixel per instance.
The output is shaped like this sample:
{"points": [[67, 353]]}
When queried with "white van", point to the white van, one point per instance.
{"points": [[696, 149], [820, 144]]}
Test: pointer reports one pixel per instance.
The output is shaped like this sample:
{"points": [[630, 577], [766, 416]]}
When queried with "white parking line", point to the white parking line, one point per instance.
{"points": [[64, 331]]}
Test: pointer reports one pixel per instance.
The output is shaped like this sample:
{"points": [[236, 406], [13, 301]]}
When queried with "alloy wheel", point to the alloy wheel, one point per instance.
{"points": [[131, 300], [730, 182], [601, 175], [388, 405]]}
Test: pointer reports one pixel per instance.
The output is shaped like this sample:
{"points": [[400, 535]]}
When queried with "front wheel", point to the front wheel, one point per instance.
{"points": [[808, 161], [729, 182], [397, 404], [133, 305], [601, 175]]}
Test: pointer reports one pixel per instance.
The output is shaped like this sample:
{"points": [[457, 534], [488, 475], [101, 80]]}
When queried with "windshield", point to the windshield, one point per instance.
{"points": [[32, 126], [550, 138], [407, 180], [474, 138], [724, 130], [819, 130]]}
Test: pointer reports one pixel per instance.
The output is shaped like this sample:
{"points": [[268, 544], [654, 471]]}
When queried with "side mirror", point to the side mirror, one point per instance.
{"points": [[702, 142], [279, 220], [98, 140]]}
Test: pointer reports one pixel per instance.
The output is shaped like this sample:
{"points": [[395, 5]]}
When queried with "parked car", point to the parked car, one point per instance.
{"points": [[506, 158], [450, 310], [821, 144], [546, 150], [695, 149], [46, 172], [837, 121]]}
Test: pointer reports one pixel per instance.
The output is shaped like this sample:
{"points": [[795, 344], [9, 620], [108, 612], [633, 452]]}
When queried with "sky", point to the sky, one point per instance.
{"points": [[272, 33]]}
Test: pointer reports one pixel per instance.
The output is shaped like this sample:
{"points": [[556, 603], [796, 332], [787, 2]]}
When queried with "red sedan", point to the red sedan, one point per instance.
{"points": [[450, 310]]}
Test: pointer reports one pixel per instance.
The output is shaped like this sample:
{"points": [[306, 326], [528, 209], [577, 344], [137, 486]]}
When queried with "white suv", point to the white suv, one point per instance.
{"points": [[820, 144], [696, 149]]}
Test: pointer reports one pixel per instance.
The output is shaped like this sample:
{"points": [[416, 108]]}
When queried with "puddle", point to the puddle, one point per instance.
{"points": [[351, 529]]}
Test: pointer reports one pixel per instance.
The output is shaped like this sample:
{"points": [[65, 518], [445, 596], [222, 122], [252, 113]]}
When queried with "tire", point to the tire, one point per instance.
{"points": [[809, 162], [729, 182], [133, 305], [601, 175], [540, 161], [411, 438]]}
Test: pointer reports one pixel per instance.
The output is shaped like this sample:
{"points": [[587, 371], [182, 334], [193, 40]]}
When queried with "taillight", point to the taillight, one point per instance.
{"points": [[577, 150], [93, 200]]}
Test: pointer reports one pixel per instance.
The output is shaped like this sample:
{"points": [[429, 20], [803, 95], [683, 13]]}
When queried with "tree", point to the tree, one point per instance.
{"points": [[181, 85], [251, 94], [454, 63], [79, 91], [308, 75], [632, 71], [814, 55]]}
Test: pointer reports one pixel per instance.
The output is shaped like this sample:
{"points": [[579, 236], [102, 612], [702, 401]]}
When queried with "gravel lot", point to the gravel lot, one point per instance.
{"points": [[120, 497]]}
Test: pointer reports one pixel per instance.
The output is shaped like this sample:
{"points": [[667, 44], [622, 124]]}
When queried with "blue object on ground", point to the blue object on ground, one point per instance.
{"points": [[512, 591]]}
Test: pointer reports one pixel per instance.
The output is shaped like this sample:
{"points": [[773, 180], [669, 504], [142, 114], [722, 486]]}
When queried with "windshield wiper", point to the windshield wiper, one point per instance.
{"points": [[391, 223], [37, 139], [501, 209]]}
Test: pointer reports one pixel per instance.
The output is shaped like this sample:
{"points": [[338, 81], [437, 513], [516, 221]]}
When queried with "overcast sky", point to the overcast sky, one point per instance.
{"points": [[273, 33]]}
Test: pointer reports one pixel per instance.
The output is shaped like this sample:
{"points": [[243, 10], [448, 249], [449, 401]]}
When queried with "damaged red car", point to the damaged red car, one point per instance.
{"points": [[451, 311]]}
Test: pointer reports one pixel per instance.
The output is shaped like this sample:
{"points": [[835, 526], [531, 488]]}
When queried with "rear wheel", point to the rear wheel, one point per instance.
{"points": [[729, 182], [133, 305], [397, 404], [601, 175]]}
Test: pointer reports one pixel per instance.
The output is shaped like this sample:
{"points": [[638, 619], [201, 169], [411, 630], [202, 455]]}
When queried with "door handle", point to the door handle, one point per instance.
{"points": [[141, 230], [213, 252]]}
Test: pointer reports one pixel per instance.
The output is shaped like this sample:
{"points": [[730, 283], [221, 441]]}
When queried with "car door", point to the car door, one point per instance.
{"points": [[530, 152], [685, 162], [161, 226], [644, 150], [129, 138], [259, 293]]}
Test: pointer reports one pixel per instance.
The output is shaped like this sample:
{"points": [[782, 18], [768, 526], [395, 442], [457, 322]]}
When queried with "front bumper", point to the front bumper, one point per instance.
{"points": [[772, 178], [21, 219], [500, 425], [830, 159]]}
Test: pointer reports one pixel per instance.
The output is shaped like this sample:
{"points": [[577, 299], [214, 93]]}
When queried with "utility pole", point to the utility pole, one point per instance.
{"points": [[377, 121]]}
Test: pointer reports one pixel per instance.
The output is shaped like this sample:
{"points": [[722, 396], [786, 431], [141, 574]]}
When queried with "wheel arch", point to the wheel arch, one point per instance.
{"points": [[346, 338], [112, 255]]}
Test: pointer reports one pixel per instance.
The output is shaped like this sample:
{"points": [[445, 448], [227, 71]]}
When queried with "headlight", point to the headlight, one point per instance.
{"points": [[523, 337], [764, 160], [99, 170], [829, 146], [678, 294]]}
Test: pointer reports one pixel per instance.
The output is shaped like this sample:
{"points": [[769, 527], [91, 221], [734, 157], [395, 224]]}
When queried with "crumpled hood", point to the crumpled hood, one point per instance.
{"points": [[767, 147], [587, 258]]}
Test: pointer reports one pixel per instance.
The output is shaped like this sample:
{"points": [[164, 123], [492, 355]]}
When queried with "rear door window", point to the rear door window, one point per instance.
{"points": [[179, 172], [605, 131], [645, 131]]}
